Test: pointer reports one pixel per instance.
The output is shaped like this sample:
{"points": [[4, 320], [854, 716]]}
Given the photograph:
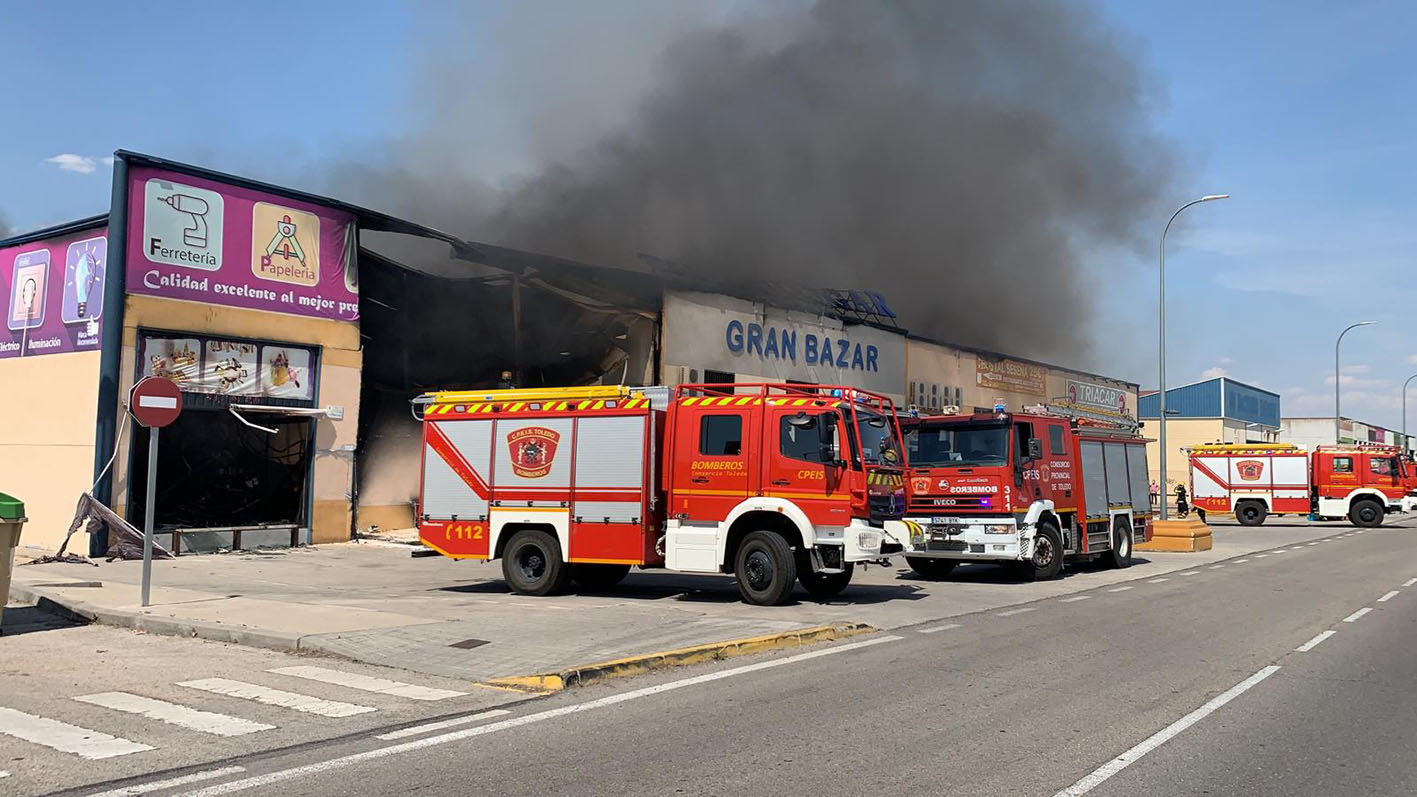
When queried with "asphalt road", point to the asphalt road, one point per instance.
{"points": [[1180, 684]]}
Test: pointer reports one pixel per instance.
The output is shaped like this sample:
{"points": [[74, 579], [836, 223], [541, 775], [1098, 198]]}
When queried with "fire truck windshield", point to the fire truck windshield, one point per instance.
{"points": [[961, 444], [877, 436]]}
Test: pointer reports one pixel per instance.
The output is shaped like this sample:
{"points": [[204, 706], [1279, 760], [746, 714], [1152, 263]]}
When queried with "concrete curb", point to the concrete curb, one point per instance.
{"points": [[547, 683], [83, 612]]}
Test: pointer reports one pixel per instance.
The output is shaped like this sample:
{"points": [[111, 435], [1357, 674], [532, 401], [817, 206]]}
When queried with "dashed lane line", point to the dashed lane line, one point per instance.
{"points": [[1074, 599], [181, 780], [1217, 567], [1313, 643], [1119, 589], [367, 683], [1409, 582], [174, 714], [1261, 555], [1012, 612], [1191, 573], [1158, 580], [1389, 596], [1354, 617], [279, 776], [937, 629], [1240, 561], [1121, 762], [277, 697], [403, 733], [64, 737]]}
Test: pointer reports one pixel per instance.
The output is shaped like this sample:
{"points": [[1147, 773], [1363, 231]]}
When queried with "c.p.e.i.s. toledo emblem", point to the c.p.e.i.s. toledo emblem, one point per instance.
{"points": [[533, 448]]}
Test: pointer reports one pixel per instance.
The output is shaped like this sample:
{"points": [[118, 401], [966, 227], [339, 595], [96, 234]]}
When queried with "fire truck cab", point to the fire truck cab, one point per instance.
{"points": [[772, 483], [1026, 488]]}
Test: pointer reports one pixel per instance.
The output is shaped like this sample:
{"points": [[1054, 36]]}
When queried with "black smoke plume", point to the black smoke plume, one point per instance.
{"points": [[966, 159]]}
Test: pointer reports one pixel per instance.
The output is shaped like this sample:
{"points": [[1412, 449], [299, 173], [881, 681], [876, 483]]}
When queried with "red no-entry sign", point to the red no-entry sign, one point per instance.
{"points": [[155, 402]]}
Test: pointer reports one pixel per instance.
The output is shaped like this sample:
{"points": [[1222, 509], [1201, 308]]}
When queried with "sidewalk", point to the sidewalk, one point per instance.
{"points": [[371, 602]]}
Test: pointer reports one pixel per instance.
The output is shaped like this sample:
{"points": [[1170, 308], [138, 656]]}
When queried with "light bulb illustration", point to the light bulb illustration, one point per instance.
{"points": [[84, 276], [196, 208], [27, 296]]}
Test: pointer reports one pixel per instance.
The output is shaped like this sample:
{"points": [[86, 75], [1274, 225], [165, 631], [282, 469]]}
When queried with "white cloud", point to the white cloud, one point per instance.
{"points": [[1225, 361], [1214, 372], [78, 164], [1412, 358]]}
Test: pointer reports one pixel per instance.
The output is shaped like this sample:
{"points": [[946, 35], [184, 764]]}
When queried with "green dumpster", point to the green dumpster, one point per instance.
{"points": [[12, 519]]}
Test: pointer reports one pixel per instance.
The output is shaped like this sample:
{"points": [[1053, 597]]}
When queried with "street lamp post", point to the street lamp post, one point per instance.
{"points": [[1337, 377], [1405, 446], [1162, 393]]}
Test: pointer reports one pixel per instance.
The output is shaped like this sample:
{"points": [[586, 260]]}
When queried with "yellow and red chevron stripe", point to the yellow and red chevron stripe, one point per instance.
{"points": [[516, 407], [721, 401]]}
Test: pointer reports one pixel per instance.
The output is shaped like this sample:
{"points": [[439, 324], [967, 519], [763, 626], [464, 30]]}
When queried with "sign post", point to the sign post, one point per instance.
{"points": [[155, 402]]}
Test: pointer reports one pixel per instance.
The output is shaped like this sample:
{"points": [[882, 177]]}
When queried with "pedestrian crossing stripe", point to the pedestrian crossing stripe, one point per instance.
{"points": [[367, 683], [174, 714], [64, 737], [277, 697]]}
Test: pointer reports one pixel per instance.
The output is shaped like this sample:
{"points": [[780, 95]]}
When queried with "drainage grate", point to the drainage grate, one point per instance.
{"points": [[469, 644]]}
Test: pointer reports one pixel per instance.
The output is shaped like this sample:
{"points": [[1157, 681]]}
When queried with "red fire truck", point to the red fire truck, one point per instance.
{"points": [[772, 483], [1030, 488], [1254, 481]]}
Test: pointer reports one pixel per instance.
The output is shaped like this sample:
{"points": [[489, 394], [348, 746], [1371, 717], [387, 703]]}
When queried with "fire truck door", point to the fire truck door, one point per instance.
{"points": [[1057, 467], [798, 466], [711, 473]]}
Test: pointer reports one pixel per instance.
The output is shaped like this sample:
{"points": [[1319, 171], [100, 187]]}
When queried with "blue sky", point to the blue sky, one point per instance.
{"points": [[1301, 110]]}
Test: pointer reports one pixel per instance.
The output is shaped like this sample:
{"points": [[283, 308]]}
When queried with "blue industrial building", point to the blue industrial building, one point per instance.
{"points": [[1219, 398]]}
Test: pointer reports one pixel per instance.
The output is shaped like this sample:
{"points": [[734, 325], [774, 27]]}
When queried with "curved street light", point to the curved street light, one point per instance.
{"points": [[1337, 377], [1405, 446], [1162, 393]]}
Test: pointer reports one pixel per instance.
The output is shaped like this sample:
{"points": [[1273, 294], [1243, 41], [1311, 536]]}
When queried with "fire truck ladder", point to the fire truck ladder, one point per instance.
{"points": [[1083, 417]]}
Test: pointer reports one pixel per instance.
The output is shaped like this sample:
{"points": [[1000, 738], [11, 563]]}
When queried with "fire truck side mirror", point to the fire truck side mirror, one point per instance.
{"points": [[1035, 448], [826, 438]]}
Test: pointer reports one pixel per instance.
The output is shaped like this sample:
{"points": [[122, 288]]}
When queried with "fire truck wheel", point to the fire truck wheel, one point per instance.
{"points": [[931, 568], [1251, 513], [1121, 554], [825, 585], [1366, 513], [1046, 560], [532, 564], [765, 568], [599, 576]]}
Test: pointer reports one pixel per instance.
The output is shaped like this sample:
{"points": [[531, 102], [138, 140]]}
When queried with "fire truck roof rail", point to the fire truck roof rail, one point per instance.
{"points": [[1232, 448], [1090, 417], [530, 394], [795, 390], [1350, 447]]}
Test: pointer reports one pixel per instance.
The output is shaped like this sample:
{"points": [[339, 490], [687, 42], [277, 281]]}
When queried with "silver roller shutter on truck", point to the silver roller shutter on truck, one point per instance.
{"points": [[445, 494]]}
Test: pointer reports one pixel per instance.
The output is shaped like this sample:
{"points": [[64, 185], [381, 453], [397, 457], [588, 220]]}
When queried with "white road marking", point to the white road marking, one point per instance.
{"points": [[1409, 582], [1278, 551], [174, 714], [64, 737], [1217, 567], [1158, 580], [1075, 598], [181, 780], [4, 774], [1297, 548], [367, 683], [438, 726], [1389, 596], [276, 697], [1313, 643], [1121, 762], [1353, 618], [516, 722], [1261, 555], [1012, 612], [938, 628], [1359, 531], [1191, 573], [1312, 544], [1119, 589], [1241, 561]]}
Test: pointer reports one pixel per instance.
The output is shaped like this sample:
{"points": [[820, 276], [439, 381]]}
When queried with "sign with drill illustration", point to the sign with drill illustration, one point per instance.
{"points": [[202, 240], [51, 292]]}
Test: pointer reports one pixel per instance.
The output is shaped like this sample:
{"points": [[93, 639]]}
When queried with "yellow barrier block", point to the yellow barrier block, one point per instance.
{"points": [[1178, 536]]}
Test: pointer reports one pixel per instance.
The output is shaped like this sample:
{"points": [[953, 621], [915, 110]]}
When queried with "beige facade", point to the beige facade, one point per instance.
{"points": [[48, 409], [938, 375]]}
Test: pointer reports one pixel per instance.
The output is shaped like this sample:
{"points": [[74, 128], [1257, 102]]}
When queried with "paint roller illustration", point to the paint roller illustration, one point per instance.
{"points": [[196, 207]]}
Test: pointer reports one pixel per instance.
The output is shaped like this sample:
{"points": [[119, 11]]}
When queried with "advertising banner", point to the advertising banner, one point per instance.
{"points": [[51, 292], [1094, 396], [205, 241], [1010, 376], [231, 368]]}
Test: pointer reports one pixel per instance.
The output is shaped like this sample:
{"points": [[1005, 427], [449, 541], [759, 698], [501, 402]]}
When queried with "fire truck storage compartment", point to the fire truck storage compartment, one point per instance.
{"points": [[509, 470], [1114, 475], [224, 485]]}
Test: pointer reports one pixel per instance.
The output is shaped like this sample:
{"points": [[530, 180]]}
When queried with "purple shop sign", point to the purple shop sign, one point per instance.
{"points": [[51, 292], [205, 241]]}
